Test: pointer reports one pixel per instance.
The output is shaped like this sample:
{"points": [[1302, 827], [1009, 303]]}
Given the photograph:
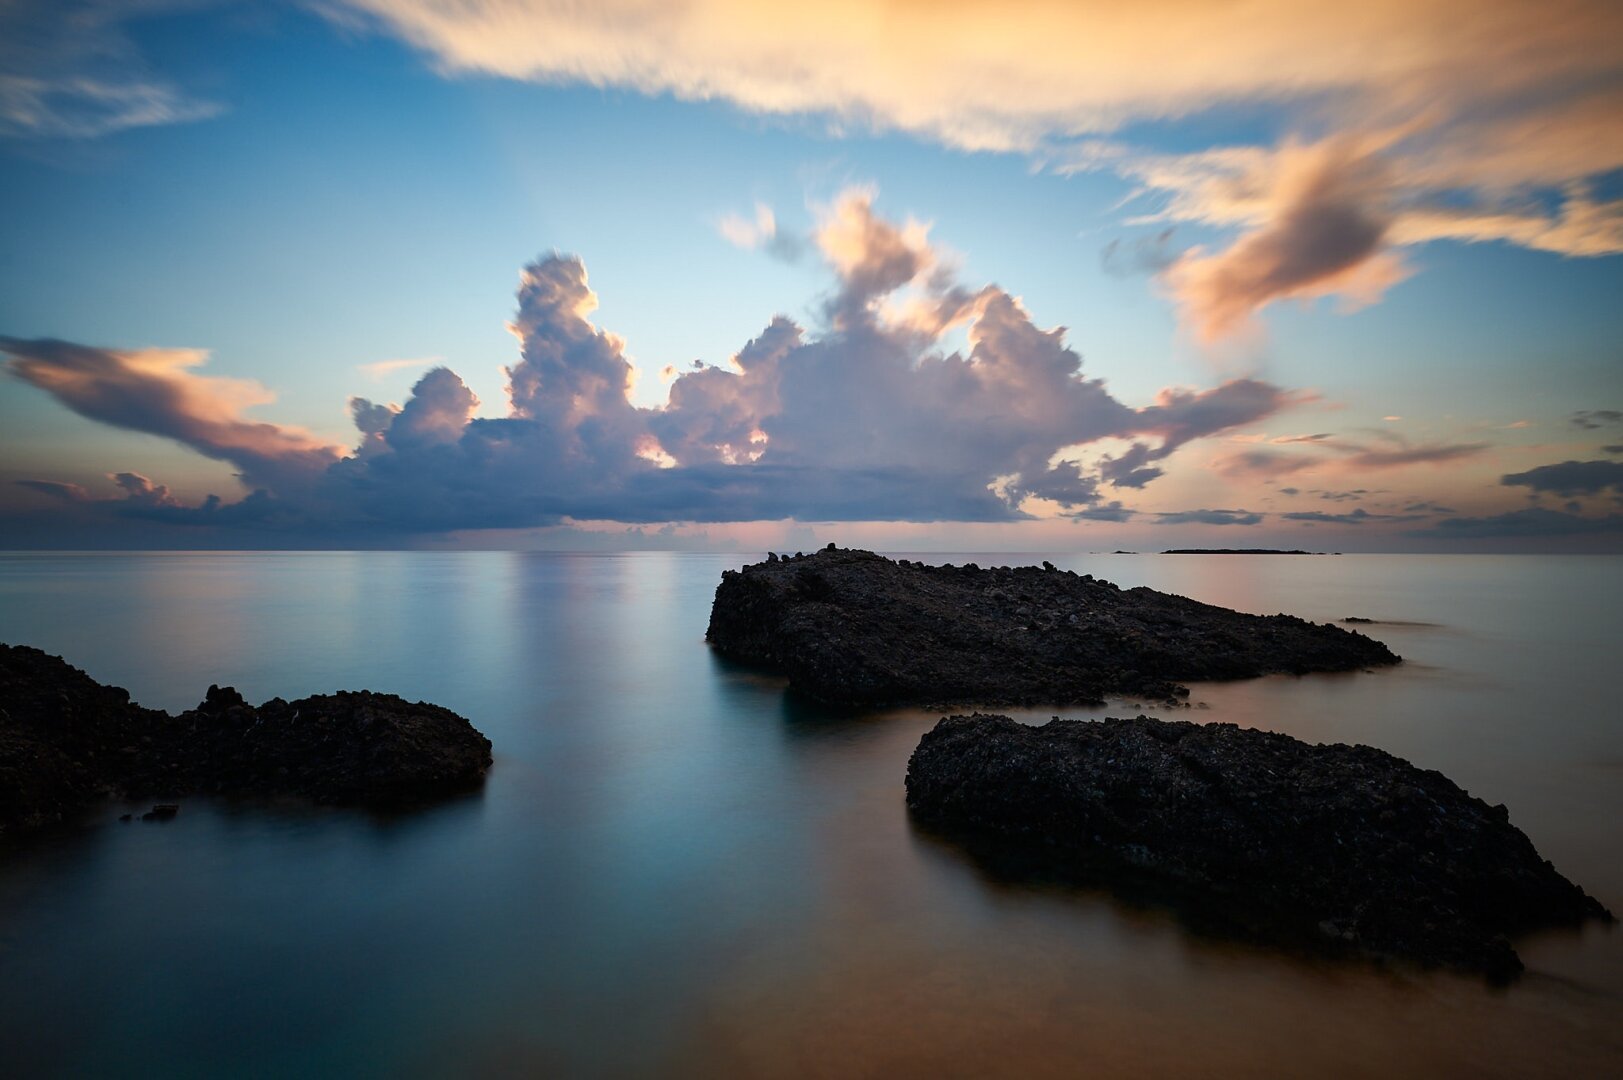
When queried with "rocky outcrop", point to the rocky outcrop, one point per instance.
{"points": [[852, 627], [66, 742], [1341, 845]]}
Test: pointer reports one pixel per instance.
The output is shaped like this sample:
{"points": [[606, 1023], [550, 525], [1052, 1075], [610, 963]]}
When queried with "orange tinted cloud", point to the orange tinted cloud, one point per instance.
{"points": [[156, 391], [1008, 74], [1434, 119]]}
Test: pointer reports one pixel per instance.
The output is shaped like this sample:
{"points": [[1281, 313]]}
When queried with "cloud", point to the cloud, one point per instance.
{"points": [[1143, 255], [1209, 517], [1321, 231], [378, 369], [68, 69], [1570, 478], [142, 491], [137, 491], [72, 493], [1386, 451], [1594, 419], [1405, 453], [1011, 75], [155, 391], [1359, 516], [1534, 521], [761, 231], [862, 418], [1110, 511], [1447, 120]]}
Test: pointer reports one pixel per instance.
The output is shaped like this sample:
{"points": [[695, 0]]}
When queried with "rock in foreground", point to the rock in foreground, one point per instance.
{"points": [[1346, 845], [852, 627], [66, 742]]}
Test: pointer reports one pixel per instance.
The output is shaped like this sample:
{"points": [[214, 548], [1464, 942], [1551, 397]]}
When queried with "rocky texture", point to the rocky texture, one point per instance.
{"points": [[1343, 845], [66, 742], [852, 627]]}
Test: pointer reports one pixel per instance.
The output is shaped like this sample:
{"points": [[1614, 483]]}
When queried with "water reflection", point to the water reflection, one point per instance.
{"points": [[677, 868]]}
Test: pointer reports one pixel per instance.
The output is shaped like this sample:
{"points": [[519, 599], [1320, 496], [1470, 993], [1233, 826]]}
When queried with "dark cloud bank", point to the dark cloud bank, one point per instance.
{"points": [[864, 420]]}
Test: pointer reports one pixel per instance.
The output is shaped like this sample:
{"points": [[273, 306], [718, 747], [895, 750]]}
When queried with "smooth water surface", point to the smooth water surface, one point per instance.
{"points": [[676, 870]]}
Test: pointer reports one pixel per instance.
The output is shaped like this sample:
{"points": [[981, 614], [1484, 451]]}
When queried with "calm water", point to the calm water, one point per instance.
{"points": [[674, 870]]}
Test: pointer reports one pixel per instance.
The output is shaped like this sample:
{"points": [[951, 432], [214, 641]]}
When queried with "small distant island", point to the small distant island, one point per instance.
{"points": [[1238, 551], [851, 627], [68, 742]]}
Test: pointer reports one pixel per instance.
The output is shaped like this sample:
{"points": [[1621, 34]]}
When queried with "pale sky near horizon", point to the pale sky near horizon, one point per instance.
{"points": [[1343, 280]]}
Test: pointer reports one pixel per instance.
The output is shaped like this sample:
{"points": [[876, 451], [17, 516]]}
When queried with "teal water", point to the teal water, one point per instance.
{"points": [[675, 870]]}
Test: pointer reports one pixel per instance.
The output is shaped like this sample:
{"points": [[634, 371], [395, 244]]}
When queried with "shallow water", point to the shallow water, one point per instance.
{"points": [[674, 869]]}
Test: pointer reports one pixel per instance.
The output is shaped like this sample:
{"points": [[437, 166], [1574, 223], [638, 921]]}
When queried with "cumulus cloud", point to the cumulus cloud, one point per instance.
{"points": [[1570, 478], [68, 69], [137, 491], [864, 417], [141, 491], [1451, 119]]}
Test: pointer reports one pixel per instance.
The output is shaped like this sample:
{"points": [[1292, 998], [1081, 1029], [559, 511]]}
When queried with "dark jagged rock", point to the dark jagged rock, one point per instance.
{"points": [[852, 627], [1343, 845], [67, 742]]}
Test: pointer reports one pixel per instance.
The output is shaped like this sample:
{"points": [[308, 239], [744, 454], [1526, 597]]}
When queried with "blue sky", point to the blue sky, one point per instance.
{"points": [[323, 188]]}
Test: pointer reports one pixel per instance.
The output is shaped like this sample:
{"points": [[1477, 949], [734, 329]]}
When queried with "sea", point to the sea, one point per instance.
{"points": [[677, 869]]}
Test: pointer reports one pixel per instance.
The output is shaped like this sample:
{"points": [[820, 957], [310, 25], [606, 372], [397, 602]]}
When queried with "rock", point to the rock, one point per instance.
{"points": [[161, 812], [67, 742], [852, 627], [1288, 841]]}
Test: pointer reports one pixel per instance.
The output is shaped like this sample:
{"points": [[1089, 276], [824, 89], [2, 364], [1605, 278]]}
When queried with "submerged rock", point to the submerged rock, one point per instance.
{"points": [[66, 742], [1344, 845], [852, 627]]}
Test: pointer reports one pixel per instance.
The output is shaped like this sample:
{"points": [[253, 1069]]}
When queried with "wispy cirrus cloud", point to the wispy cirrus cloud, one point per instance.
{"points": [[69, 69], [378, 370], [1381, 450]]}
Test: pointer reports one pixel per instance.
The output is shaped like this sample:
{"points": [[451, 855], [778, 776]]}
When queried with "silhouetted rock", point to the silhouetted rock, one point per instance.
{"points": [[66, 742], [853, 627], [1345, 845]]}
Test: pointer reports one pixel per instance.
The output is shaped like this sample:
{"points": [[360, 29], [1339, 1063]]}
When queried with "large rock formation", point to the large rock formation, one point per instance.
{"points": [[1340, 845], [66, 742], [852, 627]]}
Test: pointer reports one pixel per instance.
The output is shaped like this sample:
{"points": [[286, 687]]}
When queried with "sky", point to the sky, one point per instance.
{"points": [[1023, 276]]}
